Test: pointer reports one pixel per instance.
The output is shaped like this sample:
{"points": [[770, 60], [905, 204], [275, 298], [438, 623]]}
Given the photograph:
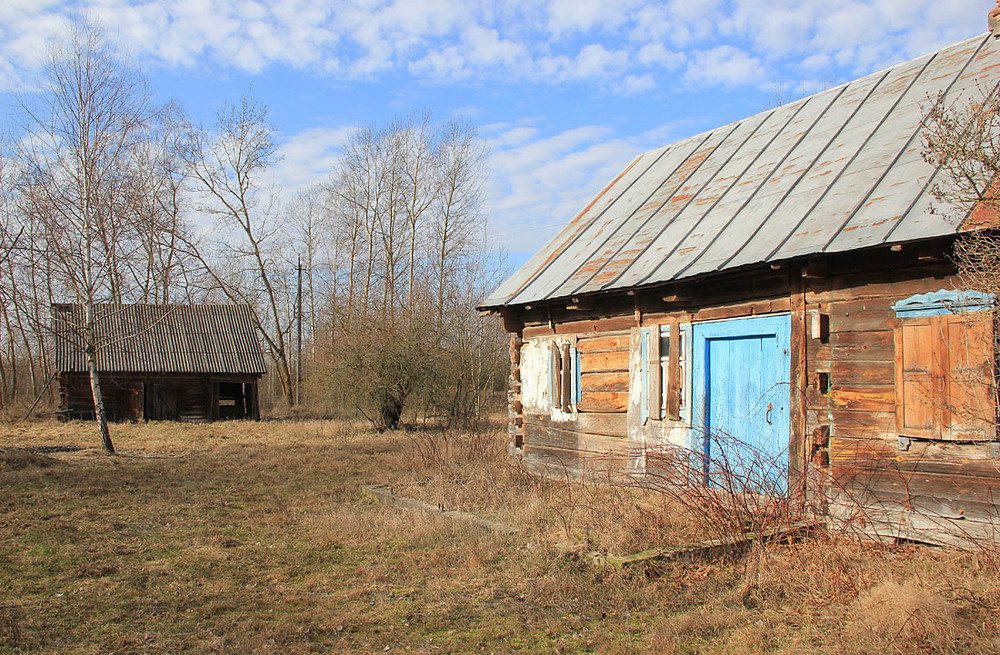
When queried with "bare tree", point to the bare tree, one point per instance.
{"points": [[459, 222], [962, 140], [228, 165], [78, 162], [408, 203]]}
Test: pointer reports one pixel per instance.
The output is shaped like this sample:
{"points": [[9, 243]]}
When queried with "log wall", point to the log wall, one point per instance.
{"points": [[846, 458], [186, 398]]}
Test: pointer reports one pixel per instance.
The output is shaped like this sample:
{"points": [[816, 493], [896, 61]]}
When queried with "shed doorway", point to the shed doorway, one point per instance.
{"points": [[741, 399]]}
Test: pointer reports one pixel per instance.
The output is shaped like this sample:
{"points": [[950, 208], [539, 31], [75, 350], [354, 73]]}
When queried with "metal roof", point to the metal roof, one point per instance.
{"points": [[218, 339], [836, 171]]}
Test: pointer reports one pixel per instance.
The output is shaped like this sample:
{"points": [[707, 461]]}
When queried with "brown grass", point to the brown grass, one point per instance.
{"points": [[254, 538]]}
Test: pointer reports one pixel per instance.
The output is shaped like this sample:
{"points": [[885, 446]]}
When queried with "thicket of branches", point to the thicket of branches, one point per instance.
{"points": [[108, 197]]}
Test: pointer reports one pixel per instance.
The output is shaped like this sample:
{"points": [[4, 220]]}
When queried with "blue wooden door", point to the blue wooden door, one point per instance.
{"points": [[741, 397]]}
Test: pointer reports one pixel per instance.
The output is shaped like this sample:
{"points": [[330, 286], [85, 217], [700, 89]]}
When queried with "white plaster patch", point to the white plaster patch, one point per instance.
{"points": [[535, 375]]}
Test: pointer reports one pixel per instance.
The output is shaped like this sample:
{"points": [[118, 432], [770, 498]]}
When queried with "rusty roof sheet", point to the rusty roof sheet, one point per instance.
{"points": [[218, 339], [836, 171]]}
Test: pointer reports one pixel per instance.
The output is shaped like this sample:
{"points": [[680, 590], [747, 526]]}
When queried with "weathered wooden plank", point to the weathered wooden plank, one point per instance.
{"points": [[549, 437], [957, 468], [892, 523], [799, 382], [591, 326], [848, 372], [775, 305], [572, 464], [613, 381], [871, 345], [895, 283], [604, 401], [896, 489], [860, 315], [597, 423], [879, 399], [594, 362], [603, 343], [844, 450]]}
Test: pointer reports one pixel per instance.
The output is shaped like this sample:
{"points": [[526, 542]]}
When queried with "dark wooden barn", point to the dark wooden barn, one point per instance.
{"points": [[161, 362], [785, 282]]}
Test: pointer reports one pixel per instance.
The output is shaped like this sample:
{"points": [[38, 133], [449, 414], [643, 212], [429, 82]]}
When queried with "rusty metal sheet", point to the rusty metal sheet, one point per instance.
{"points": [[860, 187], [700, 190], [836, 171], [218, 339], [772, 163]]}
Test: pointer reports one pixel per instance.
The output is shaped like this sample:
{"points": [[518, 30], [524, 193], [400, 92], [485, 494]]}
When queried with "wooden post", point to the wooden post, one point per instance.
{"points": [[799, 384], [655, 395], [674, 381]]}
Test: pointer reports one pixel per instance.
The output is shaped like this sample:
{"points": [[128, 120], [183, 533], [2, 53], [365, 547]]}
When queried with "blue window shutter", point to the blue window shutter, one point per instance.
{"points": [[554, 360], [574, 358], [644, 375]]}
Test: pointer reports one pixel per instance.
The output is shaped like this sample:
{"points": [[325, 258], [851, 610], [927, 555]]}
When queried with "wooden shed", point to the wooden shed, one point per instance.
{"points": [[161, 362], [779, 289]]}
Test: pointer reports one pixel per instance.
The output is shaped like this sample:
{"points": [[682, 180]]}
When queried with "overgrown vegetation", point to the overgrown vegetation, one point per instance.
{"points": [[108, 198], [254, 538]]}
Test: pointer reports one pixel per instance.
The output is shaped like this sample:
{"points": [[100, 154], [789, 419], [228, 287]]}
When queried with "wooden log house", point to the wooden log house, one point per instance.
{"points": [[192, 363], [785, 281]]}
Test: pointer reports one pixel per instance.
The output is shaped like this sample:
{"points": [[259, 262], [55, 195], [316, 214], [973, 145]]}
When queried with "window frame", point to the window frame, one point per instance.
{"points": [[932, 368], [668, 403], [565, 393]]}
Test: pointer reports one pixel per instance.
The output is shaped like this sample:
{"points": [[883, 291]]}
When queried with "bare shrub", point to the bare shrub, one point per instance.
{"points": [[737, 489]]}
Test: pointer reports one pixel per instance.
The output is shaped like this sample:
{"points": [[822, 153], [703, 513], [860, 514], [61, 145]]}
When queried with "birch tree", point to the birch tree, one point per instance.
{"points": [[78, 160]]}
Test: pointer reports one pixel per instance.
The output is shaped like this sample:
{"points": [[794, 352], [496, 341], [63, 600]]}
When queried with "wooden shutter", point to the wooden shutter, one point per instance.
{"points": [[654, 391], [555, 379], [970, 405], [565, 379], [944, 376], [919, 383], [674, 380]]}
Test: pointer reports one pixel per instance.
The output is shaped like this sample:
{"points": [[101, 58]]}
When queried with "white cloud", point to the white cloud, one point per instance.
{"points": [[537, 185], [633, 84], [611, 44], [655, 54], [595, 60], [308, 157], [725, 66], [586, 15]]}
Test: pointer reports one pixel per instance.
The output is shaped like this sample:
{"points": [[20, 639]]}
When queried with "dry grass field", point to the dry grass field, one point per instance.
{"points": [[255, 538]]}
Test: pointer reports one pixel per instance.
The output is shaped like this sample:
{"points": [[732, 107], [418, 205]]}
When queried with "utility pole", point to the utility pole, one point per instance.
{"points": [[298, 354]]}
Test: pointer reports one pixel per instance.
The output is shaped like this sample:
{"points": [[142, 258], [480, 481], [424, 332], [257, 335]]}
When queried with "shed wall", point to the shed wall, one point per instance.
{"points": [[845, 453]]}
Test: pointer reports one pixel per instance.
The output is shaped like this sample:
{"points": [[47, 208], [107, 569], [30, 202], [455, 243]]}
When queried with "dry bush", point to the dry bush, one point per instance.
{"points": [[907, 618], [736, 491]]}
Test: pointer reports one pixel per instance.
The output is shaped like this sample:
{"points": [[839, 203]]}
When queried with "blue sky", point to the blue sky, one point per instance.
{"points": [[565, 92]]}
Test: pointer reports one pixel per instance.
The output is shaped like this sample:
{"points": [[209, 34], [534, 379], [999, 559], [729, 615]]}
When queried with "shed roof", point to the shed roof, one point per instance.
{"points": [[837, 171], [219, 339]]}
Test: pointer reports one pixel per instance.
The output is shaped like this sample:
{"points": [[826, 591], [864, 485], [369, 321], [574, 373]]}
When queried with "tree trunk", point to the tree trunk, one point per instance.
{"points": [[102, 419]]}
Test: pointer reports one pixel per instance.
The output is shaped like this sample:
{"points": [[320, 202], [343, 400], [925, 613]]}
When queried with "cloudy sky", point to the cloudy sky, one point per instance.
{"points": [[566, 92]]}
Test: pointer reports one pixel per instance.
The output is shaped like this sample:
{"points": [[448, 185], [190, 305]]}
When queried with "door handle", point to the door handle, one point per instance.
{"points": [[767, 414]]}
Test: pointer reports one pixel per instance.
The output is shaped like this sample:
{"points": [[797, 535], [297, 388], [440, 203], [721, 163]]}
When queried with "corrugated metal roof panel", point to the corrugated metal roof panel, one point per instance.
{"points": [[218, 339], [836, 171]]}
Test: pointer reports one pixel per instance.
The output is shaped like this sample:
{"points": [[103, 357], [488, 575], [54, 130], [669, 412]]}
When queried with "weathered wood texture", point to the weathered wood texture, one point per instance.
{"points": [[845, 446], [937, 492], [169, 397]]}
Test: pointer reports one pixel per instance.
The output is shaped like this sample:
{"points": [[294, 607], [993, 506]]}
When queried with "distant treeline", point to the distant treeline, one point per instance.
{"points": [[110, 197]]}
